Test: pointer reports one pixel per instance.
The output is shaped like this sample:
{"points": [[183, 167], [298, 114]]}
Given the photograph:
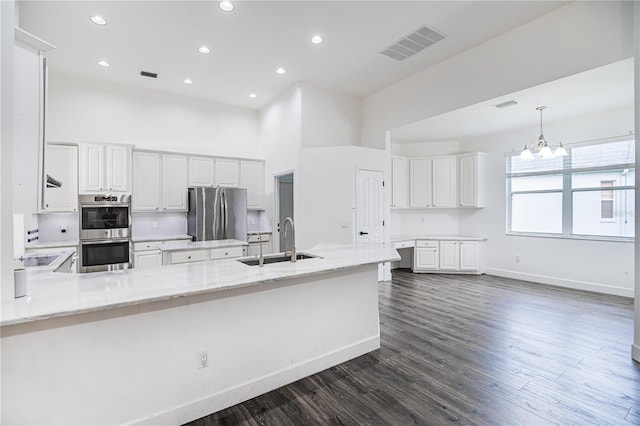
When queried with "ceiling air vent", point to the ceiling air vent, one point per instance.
{"points": [[412, 43], [148, 74]]}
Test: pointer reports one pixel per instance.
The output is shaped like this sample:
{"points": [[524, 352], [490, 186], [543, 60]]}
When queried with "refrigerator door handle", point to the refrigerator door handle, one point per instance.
{"points": [[225, 217]]}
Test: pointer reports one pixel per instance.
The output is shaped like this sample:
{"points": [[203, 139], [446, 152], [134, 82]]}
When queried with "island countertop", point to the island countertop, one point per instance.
{"points": [[54, 294], [200, 245]]}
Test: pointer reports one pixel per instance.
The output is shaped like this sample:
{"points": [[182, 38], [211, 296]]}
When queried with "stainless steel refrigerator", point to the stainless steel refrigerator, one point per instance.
{"points": [[217, 213]]}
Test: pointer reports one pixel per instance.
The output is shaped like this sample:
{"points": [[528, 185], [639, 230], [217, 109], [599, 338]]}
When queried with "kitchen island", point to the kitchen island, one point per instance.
{"points": [[174, 343]]}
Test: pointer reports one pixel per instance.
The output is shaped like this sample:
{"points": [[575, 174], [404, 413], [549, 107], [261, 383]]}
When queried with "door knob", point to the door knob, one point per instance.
{"points": [[364, 233]]}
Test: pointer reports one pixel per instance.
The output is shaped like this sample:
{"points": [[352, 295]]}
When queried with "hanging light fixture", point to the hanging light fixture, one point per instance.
{"points": [[542, 146]]}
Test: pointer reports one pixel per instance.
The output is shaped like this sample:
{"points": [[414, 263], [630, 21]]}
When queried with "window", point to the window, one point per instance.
{"points": [[590, 192]]}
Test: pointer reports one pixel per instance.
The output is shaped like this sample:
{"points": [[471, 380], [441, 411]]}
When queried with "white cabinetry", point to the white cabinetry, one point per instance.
{"points": [[227, 172], [60, 186], [202, 171], [201, 254], [448, 256], [174, 182], [426, 256], [159, 182], [420, 183], [444, 181], [399, 182], [104, 168], [252, 178], [472, 170], [254, 244], [146, 254]]}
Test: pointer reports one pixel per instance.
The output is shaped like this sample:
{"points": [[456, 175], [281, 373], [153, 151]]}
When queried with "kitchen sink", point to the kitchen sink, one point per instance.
{"points": [[280, 257], [31, 261]]}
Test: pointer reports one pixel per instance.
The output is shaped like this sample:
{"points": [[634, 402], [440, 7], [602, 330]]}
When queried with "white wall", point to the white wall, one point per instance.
{"points": [[565, 39], [85, 110], [329, 118], [586, 264]]}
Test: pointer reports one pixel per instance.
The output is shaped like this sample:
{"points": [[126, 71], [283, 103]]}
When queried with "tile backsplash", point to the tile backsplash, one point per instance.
{"points": [[154, 224]]}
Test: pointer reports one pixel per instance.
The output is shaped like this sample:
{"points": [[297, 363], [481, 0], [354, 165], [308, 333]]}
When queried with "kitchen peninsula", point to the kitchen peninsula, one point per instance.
{"points": [[173, 343]]}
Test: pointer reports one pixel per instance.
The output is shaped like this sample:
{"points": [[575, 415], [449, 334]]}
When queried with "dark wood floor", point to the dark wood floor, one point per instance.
{"points": [[472, 350]]}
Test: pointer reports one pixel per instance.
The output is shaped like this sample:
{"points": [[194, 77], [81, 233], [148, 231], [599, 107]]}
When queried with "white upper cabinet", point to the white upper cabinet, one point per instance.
{"points": [[444, 181], [105, 168], [60, 186], [227, 172], [146, 181], [399, 182], [252, 178], [420, 183], [159, 182], [174, 182], [202, 171], [471, 169]]}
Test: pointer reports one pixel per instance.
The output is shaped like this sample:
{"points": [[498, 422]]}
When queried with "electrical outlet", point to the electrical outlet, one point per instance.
{"points": [[154, 225], [517, 259], [204, 359]]}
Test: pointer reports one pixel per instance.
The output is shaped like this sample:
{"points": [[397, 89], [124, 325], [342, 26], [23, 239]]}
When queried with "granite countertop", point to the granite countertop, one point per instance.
{"points": [[407, 237], [138, 239], [51, 244], [54, 294], [200, 245]]}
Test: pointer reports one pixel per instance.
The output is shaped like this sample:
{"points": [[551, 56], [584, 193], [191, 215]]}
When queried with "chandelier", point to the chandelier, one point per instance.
{"points": [[542, 146]]}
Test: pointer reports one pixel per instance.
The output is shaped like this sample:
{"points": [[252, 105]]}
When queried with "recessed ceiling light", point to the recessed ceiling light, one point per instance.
{"points": [[98, 20], [227, 6], [104, 63], [316, 39], [204, 49], [281, 71], [188, 81], [252, 95]]}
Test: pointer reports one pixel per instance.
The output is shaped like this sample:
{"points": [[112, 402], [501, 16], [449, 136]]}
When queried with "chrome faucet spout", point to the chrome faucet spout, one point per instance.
{"points": [[293, 238], [261, 258]]}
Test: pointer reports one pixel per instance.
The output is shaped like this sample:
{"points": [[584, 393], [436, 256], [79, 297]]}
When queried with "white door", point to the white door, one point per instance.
{"points": [[147, 259], [399, 182], [118, 168], [201, 171], [468, 255], [444, 182], [227, 172], [146, 181], [61, 167], [420, 182], [91, 168], [467, 165], [252, 178], [369, 206], [174, 182], [426, 259], [449, 255]]}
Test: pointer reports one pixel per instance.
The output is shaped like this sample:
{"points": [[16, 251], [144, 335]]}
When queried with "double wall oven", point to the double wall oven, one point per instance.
{"points": [[105, 232]]}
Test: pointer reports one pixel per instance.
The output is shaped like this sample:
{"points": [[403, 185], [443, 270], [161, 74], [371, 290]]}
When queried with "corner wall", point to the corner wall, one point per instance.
{"points": [[602, 266]]}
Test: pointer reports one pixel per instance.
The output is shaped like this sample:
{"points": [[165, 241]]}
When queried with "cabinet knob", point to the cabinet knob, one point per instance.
{"points": [[156, 208], [188, 257], [47, 205]]}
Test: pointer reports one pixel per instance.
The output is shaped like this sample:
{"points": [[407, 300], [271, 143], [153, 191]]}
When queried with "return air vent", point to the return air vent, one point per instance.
{"points": [[412, 43]]}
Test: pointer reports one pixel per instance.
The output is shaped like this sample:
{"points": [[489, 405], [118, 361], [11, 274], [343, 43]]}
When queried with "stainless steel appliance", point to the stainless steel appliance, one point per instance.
{"points": [[217, 213], [105, 232]]}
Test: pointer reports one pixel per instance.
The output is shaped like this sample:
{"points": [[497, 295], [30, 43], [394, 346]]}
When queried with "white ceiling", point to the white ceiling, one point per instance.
{"points": [[249, 43], [601, 89]]}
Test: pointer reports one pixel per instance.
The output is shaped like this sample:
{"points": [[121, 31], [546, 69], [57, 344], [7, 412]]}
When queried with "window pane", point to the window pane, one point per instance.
{"points": [[595, 179], [537, 213], [517, 165], [605, 154], [536, 183], [594, 216]]}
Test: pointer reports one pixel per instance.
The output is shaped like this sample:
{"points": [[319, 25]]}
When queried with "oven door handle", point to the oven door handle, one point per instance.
{"points": [[109, 241]]}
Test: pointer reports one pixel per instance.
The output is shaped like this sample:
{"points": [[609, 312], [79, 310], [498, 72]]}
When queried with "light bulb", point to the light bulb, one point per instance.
{"points": [[560, 151], [526, 154], [545, 152]]}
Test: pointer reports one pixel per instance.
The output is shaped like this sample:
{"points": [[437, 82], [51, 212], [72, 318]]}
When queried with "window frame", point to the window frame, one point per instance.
{"points": [[567, 192]]}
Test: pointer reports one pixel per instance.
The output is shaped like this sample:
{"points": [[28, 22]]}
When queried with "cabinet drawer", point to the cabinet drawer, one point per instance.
{"points": [[188, 256], [146, 245], [404, 244], [427, 243], [224, 253], [254, 238]]}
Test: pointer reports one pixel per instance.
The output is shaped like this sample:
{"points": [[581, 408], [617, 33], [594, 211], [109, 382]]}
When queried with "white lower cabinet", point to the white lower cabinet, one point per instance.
{"points": [[254, 244], [448, 256], [147, 259], [425, 256], [200, 254]]}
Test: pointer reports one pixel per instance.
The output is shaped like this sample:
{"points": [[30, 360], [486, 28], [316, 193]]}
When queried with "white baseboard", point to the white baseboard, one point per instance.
{"points": [[561, 282], [250, 389]]}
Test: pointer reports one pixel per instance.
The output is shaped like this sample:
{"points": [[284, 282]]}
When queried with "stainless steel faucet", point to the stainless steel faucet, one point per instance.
{"points": [[293, 238], [261, 258]]}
